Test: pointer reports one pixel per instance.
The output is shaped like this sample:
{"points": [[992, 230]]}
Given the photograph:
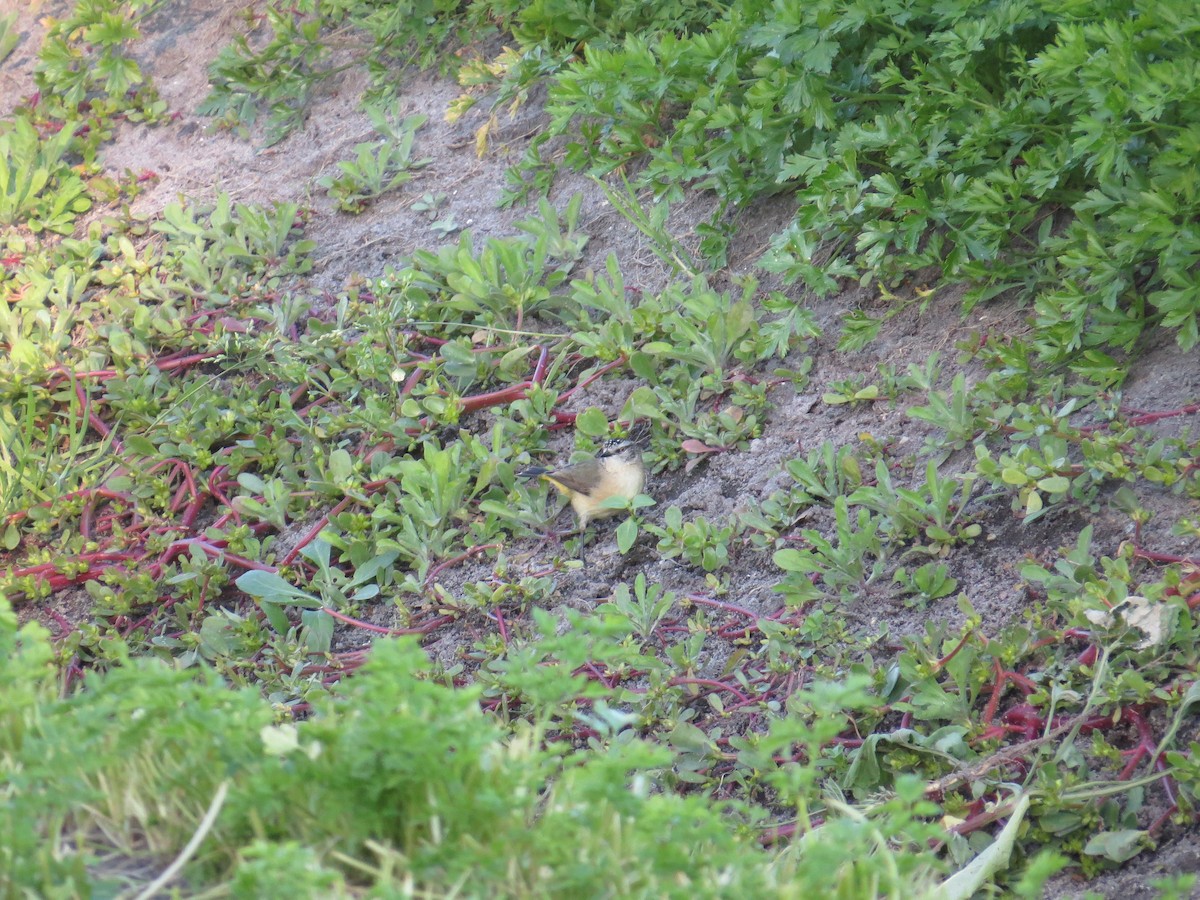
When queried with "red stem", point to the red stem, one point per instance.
{"points": [[211, 549], [170, 365], [378, 629], [708, 682], [941, 663], [1150, 418], [311, 535], [599, 373], [1151, 556], [719, 604], [453, 561]]}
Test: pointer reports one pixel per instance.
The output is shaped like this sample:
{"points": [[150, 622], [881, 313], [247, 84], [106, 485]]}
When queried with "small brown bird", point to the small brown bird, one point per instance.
{"points": [[616, 470]]}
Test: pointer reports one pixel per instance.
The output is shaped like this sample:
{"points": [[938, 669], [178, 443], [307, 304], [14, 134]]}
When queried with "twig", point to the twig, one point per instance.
{"points": [[206, 824]]}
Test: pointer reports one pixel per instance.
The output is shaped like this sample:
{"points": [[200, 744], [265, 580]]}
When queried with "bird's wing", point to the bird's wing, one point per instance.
{"points": [[578, 479]]}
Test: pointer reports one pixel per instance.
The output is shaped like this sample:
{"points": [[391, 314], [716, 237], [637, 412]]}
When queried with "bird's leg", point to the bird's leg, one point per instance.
{"points": [[549, 534], [583, 547]]}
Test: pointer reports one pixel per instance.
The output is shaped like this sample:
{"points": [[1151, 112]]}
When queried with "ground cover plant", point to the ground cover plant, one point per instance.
{"points": [[907, 609]]}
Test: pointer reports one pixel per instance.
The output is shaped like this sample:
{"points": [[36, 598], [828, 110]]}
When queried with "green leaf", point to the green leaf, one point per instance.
{"points": [[686, 736], [1033, 503], [341, 465], [8, 35], [1055, 484], [1118, 846], [1013, 475], [277, 618], [791, 560], [643, 366], [217, 637], [970, 879], [270, 588], [592, 422], [140, 446], [318, 633], [643, 402], [627, 533]]}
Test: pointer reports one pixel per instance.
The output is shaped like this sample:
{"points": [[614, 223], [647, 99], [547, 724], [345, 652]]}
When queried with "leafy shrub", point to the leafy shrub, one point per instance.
{"points": [[402, 780], [983, 140]]}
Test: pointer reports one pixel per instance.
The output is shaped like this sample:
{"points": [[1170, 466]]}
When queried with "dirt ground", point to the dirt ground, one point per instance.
{"points": [[194, 162]]}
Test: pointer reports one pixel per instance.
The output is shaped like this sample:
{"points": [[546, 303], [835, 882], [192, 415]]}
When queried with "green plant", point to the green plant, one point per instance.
{"points": [[83, 56], [427, 497], [644, 608], [44, 457], [930, 142], [430, 204], [282, 76], [333, 588], [823, 475], [378, 166], [37, 186], [932, 511], [846, 565], [850, 391], [699, 541], [497, 286], [559, 235], [953, 413], [9, 37], [1037, 477], [651, 222], [926, 583]]}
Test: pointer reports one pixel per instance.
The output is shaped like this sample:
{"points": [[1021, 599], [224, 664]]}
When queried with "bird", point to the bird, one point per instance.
{"points": [[617, 470]]}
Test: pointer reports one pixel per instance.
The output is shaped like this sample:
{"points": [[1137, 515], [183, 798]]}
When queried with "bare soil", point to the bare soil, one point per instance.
{"points": [[197, 163]]}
